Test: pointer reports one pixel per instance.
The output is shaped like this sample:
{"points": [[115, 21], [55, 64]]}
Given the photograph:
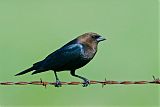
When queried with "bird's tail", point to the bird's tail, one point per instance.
{"points": [[25, 71]]}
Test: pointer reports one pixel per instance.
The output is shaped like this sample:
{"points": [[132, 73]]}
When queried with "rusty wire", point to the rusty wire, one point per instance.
{"points": [[44, 83]]}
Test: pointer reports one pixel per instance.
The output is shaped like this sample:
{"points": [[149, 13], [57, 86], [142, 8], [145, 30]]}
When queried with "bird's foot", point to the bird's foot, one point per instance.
{"points": [[58, 84], [86, 83]]}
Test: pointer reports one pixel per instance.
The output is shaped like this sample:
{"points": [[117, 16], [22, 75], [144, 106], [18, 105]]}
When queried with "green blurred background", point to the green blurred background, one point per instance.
{"points": [[32, 29]]}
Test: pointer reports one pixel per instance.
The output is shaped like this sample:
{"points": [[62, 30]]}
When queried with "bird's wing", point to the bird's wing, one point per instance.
{"points": [[62, 56]]}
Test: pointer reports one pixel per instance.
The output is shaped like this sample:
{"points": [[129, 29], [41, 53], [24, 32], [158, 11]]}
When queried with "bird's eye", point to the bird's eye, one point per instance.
{"points": [[93, 37]]}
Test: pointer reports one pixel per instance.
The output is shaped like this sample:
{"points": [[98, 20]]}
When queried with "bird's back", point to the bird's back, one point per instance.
{"points": [[70, 56]]}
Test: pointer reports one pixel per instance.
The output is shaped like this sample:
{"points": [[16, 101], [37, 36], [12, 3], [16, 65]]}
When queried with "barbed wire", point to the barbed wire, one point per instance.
{"points": [[105, 82]]}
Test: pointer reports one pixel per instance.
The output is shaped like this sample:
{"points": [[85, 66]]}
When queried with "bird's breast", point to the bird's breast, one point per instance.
{"points": [[89, 53]]}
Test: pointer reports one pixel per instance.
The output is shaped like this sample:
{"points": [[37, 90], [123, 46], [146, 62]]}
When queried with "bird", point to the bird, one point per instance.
{"points": [[70, 57]]}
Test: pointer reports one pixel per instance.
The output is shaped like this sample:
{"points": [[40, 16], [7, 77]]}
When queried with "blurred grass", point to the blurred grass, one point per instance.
{"points": [[32, 29]]}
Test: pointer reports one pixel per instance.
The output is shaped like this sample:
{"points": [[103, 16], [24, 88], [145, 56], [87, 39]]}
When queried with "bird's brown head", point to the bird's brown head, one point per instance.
{"points": [[90, 38]]}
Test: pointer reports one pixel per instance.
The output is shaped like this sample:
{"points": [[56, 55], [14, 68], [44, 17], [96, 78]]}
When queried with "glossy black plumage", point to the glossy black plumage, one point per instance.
{"points": [[71, 56]]}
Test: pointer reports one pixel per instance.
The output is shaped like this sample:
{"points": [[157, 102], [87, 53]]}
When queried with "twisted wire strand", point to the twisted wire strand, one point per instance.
{"points": [[105, 82]]}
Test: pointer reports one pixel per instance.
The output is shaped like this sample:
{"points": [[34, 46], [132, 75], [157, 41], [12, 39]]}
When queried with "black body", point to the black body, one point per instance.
{"points": [[71, 56]]}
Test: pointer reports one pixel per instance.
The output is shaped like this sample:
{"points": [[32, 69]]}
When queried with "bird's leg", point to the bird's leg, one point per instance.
{"points": [[58, 83], [86, 81]]}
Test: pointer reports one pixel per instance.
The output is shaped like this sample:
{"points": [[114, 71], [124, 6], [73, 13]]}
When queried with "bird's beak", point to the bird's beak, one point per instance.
{"points": [[101, 39]]}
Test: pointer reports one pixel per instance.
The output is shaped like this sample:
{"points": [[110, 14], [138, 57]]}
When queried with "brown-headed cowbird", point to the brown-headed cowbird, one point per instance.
{"points": [[75, 54]]}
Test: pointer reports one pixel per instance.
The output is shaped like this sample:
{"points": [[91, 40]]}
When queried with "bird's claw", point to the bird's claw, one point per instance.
{"points": [[58, 84], [86, 83]]}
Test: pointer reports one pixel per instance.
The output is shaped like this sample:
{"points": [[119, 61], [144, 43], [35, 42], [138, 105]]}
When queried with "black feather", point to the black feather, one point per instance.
{"points": [[25, 71]]}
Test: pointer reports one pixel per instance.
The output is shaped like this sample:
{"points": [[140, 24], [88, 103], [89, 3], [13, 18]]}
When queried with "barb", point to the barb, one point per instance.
{"points": [[103, 83]]}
